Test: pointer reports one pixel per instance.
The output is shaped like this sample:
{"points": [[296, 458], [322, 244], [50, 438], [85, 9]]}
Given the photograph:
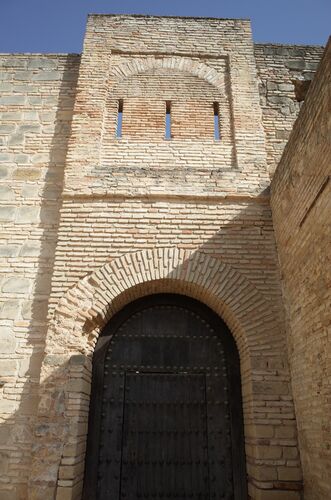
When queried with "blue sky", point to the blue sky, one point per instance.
{"points": [[58, 25]]}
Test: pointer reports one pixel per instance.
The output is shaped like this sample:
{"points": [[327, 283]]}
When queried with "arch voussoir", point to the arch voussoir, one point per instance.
{"points": [[186, 64]]}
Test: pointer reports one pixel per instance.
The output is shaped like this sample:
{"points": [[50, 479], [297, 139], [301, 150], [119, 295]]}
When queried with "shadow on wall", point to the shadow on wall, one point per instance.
{"points": [[17, 433], [254, 319]]}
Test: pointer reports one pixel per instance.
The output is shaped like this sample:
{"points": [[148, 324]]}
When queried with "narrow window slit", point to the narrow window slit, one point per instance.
{"points": [[217, 134], [168, 120], [119, 119]]}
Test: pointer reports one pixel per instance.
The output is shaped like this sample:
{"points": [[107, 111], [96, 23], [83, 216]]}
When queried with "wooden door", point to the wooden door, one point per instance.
{"points": [[165, 414]]}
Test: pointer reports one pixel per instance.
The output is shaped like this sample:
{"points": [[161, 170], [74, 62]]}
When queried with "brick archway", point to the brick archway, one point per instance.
{"points": [[88, 306], [185, 64]]}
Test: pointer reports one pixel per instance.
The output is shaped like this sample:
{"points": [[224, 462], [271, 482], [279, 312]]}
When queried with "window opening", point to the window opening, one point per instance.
{"points": [[168, 120], [119, 119], [217, 134]]}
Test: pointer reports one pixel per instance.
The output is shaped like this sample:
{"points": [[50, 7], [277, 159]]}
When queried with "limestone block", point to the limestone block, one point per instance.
{"points": [[13, 100], [8, 367], [42, 63], [4, 463], [296, 64], [30, 190], [26, 174], [3, 171], [23, 75], [40, 158], [8, 406], [16, 285], [30, 249], [29, 128], [7, 213], [9, 309], [31, 115], [5, 157], [22, 159], [6, 193], [16, 139], [7, 340], [8, 250], [28, 215], [7, 129], [36, 309], [30, 366], [47, 76]]}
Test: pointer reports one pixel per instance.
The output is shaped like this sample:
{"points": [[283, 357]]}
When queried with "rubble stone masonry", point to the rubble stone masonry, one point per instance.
{"points": [[92, 220]]}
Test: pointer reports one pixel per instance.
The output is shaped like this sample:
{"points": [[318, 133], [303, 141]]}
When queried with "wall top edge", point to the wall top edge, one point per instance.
{"points": [[41, 54], [150, 16], [288, 45]]}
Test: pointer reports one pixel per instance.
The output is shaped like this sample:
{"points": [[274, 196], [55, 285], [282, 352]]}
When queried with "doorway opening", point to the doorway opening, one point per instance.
{"points": [[165, 413]]}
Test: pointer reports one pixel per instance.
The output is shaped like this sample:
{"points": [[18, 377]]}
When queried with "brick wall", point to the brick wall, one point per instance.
{"points": [[301, 203], [37, 96]]}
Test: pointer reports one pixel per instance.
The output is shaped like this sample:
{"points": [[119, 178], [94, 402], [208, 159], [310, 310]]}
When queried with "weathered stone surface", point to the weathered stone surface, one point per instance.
{"points": [[7, 213], [6, 193], [8, 250], [16, 285], [7, 340], [27, 174], [7, 406], [9, 309], [28, 214], [8, 367], [12, 100], [4, 463], [30, 249]]}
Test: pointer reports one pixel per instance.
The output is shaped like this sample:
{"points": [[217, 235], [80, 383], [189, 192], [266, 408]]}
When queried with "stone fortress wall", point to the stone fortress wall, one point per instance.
{"points": [[75, 198], [301, 207]]}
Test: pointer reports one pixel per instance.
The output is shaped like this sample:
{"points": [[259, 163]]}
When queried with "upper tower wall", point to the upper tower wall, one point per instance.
{"points": [[201, 68]]}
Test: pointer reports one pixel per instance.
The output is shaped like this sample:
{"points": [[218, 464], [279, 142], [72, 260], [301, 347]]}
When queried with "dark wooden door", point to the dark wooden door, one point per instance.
{"points": [[165, 414]]}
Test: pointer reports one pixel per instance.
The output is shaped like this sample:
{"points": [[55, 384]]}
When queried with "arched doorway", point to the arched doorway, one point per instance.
{"points": [[165, 414]]}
